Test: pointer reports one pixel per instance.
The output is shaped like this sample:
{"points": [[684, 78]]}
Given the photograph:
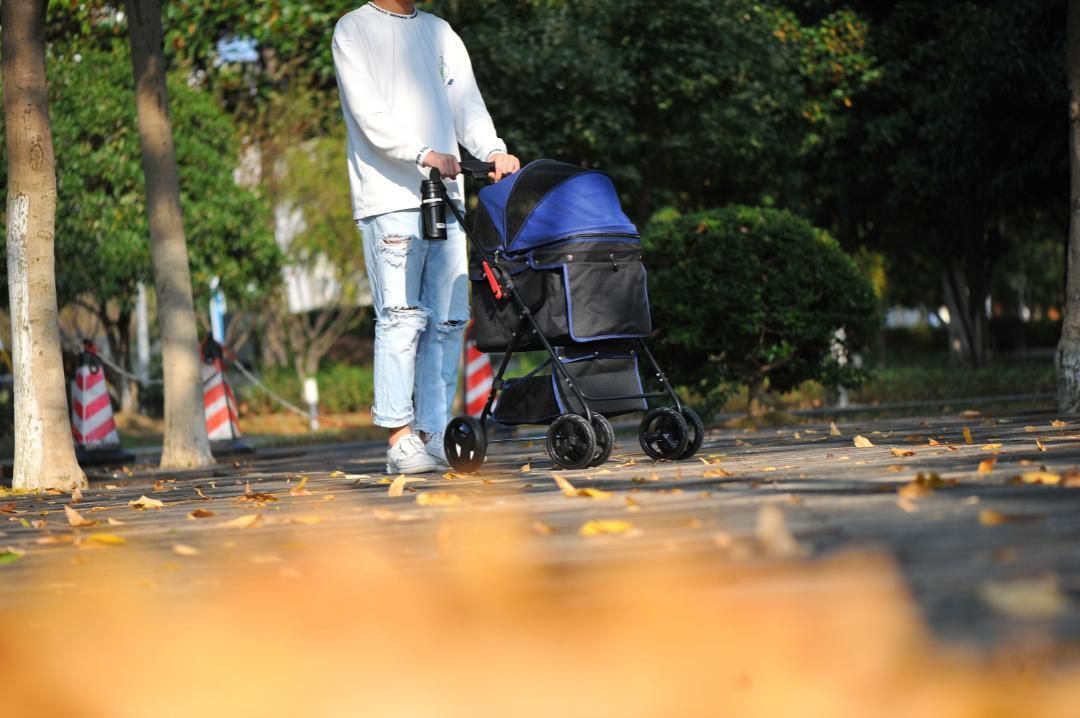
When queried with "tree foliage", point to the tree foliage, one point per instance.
{"points": [[102, 231], [957, 157], [691, 104]]}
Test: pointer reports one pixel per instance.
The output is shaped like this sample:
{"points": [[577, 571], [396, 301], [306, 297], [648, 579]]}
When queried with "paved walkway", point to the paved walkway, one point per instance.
{"points": [[988, 540]]}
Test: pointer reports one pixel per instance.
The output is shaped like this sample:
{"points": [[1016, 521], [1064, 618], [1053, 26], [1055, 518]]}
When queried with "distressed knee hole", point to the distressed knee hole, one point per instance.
{"points": [[451, 325], [415, 317], [395, 248]]}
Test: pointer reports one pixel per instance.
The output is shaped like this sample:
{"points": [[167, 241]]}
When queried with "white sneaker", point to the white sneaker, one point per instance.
{"points": [[408, 456], [435, 449]]}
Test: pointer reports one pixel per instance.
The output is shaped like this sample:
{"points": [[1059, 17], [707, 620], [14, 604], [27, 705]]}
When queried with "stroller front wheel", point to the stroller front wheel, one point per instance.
{"points": [[465, 444], [697, 432], [605, 439], [664, 434], [571, 442]]}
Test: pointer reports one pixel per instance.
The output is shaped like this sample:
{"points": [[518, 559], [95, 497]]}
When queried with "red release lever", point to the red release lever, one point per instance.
{"points": [[492, 281]]}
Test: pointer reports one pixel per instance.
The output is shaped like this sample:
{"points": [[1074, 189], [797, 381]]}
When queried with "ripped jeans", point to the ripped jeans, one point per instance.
{"points": [[420, 291]]}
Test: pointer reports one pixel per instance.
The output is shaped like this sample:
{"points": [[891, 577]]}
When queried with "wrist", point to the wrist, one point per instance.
{"points": [[422, 155]]}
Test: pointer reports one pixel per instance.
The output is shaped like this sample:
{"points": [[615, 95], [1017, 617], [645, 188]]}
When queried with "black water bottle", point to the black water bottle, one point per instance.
{"points": [[432, 208]]}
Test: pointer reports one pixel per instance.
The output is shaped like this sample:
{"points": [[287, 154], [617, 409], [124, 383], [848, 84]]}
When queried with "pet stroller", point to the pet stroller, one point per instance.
{"points": [[556, 266]]}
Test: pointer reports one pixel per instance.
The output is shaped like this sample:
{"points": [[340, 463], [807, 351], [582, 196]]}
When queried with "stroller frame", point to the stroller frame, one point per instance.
{"points": [[574, 440]]}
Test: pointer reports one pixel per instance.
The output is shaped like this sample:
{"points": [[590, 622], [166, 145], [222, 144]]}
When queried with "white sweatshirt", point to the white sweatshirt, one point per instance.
{"points": [[406, 87]]}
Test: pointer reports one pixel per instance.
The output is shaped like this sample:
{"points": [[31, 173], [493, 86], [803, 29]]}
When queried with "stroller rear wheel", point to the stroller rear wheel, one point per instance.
{"points": [[571, 441], [664, 433], [605, 439], [465, 443], [697, 432]]}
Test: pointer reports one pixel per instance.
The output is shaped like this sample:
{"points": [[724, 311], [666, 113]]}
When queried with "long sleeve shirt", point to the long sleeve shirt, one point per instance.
{"points": [[406, 85]]}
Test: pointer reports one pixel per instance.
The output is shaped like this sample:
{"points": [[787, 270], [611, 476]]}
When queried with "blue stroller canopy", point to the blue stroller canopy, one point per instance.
{"points": [[548, 201]]}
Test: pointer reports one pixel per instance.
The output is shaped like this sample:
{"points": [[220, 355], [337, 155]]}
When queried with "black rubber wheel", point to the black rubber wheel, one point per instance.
{"points": [[465, 443], [697, 432], [664, 434], [605, 439], [571, 442]]}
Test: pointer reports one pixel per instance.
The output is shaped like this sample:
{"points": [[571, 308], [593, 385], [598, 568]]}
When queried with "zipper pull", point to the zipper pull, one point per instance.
{"points": [[614, 266]]}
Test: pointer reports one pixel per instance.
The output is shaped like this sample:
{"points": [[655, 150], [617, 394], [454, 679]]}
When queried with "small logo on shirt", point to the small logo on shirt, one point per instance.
{"points": [[444, 71]]}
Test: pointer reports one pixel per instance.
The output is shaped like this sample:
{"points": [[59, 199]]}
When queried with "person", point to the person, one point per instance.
{"points": [[409, 99]]}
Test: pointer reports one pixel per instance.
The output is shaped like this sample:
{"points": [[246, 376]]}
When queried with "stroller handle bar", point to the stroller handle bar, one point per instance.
{"points": [[476, 169]]}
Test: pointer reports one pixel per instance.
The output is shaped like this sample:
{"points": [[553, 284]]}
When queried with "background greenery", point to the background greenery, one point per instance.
{"points": [[928, 137]]}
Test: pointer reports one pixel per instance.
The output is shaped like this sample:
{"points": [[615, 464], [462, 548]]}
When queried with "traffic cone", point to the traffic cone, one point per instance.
{"points": [[219, 404], [92, 424], [478, 377]]}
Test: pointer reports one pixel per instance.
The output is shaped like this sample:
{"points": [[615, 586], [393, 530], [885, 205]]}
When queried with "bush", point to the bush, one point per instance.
{"points": [[342, 388], [754, 296]]}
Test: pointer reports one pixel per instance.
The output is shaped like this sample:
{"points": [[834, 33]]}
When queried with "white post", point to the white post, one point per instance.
{"points": [[311, 398], [142, 336], [217, 311]]}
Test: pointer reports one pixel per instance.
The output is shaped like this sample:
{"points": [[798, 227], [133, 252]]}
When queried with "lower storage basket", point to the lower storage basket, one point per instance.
{"points": [[599, 373]]}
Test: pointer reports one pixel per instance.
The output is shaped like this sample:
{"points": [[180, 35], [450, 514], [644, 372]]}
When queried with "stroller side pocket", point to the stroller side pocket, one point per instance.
{"points": [[607, 300]]}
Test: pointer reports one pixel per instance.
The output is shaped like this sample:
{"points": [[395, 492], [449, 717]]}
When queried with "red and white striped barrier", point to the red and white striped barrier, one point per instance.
{"points": [[92, 422], [93, 426], [478, 377], [222, 419]]}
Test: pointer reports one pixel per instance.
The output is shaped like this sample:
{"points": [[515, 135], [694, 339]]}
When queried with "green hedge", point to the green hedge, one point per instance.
{"points": [[754, 296], [342, 388]]}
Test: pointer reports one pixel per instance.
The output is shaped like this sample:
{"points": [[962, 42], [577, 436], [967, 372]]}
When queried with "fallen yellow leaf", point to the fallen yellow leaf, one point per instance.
{"points": [[1041, 477], [991, 517], [246, 521], [437, 498], [967, 436], [542, 528], [773, 535], [861, 442], [76, 519], [902, 452], [833, 430], [1027, 598], [184, 550], [397, 486], [716, 474], [200, 514], [923, 485], [597, 527], [116, 522], [987, 465], [305, 520], [565, 486], [990, 447], [594, 493], [299, 489], [104, 539], [145, 502], [1039, 444], [1057, 423], [526, 468]]}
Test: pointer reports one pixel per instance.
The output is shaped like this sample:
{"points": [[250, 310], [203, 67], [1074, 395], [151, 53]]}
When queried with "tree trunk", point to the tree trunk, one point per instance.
{"points": [[755, 392], [44, 452], [1068, 353], [185, 442]]}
